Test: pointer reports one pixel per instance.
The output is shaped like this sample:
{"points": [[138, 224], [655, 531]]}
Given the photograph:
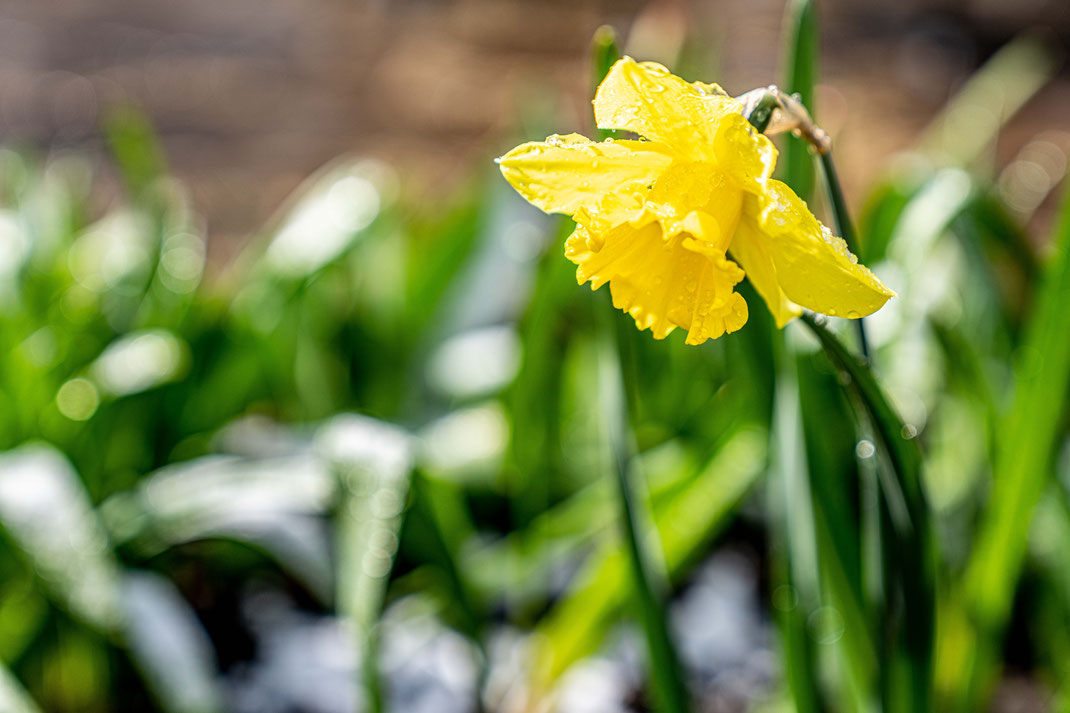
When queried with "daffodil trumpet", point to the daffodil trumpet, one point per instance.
{"points": [[675, 219]]}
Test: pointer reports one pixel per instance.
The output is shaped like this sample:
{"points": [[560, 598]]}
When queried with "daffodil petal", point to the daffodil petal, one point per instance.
{"points": [[748, 249], [743, 153], [566, 173], [651, 101], [814, 268], [662, 284]]}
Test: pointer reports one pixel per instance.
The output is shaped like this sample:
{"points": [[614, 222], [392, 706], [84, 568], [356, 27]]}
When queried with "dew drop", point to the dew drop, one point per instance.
{"points": [[826, 625], [853, 314], [909, 431], [785, 598], [865, 449]]}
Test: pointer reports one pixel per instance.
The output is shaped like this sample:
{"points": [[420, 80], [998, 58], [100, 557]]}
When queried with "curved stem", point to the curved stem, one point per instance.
{"points": [[910, 621]]}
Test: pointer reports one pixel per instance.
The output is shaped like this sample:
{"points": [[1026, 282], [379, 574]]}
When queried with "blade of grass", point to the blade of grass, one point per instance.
{"points": [[669, 688], [1049, 542], [685, 524], [533, 400], [438, 508], [819, 536], [167, 645], [135, 147], [795, 564], [372, 463], [1023, 464], [13, 697], [909, 625], [604, 52], [801, 64], [842, 523]]}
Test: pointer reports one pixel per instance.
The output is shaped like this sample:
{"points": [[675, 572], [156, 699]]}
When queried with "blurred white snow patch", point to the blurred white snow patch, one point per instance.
{"points": [[466, 441], [329, 215], [139, 361], [169, 645], [45, 509], [476, 362]]}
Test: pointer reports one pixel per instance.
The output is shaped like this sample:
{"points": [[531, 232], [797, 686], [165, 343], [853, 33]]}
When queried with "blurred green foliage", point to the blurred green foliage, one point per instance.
{"points": [[372, 405]]}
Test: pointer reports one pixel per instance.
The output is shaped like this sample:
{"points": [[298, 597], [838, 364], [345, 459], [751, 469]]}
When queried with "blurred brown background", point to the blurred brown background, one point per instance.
{"points": [[250, 96]]}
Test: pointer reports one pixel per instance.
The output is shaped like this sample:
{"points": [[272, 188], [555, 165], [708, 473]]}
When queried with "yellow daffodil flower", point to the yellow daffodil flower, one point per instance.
{"points": [[657, 218]]}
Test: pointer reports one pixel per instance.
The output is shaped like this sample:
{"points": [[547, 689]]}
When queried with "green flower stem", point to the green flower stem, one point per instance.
{"points": [[909, 622], [846, 229]]}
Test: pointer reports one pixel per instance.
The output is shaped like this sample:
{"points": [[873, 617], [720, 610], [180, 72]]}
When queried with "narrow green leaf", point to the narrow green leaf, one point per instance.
{"points": [[1024, 457], [685, 524], [669, 688], [910, 622], [168, 645], [13, 697], [447, 526], [604, 52], [795, 563], [800, 74], [1049, 543], [135, 147], [372, 462], [57, 527]]}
